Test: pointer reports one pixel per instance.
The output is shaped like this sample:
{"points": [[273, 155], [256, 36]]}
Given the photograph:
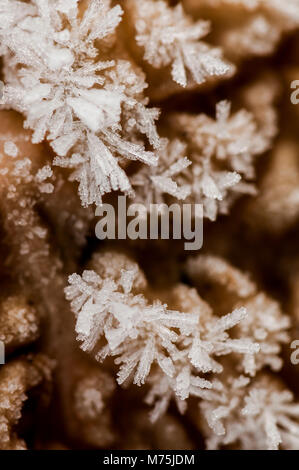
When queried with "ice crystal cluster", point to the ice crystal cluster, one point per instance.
{"points": [[162, 101]]}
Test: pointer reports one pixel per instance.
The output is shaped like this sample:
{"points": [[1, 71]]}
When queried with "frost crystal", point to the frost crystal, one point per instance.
{"points": [[92, 111], [151, 185], [252, 416], [137, 332], [274, 412], [142, 334], [222, 151], [170, 37], [265, 323]]}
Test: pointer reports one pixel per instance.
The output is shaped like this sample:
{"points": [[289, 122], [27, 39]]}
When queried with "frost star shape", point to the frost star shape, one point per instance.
{"points": [[265, 323], [210, 186], [268, 326], [137, 332], [275, 412], [152, 184], [232, 137], [254, 415], [115, 319], [93, 112], [196, 356], [222, 152], [169, 37]]}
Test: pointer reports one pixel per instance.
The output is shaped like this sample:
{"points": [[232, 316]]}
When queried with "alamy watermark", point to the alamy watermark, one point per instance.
{"points": [[159, 221], [1, 90], [2, 353], [295, 354], [295, 93]]}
